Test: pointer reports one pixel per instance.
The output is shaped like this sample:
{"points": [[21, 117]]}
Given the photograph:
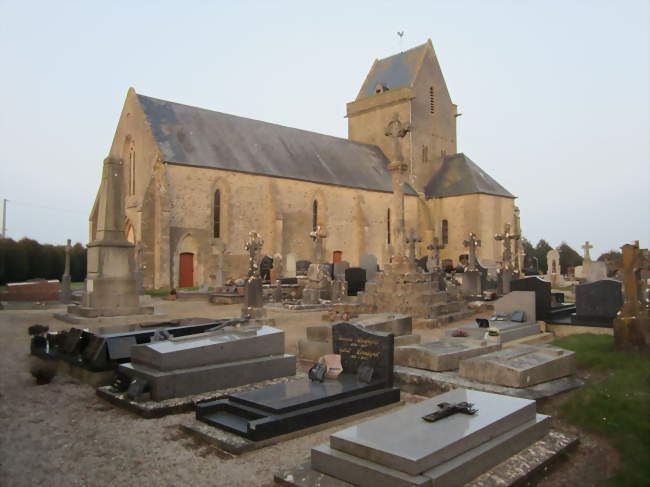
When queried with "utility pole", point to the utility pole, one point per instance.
{"points": [[4, 219]]}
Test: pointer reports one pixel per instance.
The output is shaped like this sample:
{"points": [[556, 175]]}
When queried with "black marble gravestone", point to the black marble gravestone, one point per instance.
{"points": [[365, 383], [356, 277], [597, 303], [546, 307], [302, 266], [266, 265]]}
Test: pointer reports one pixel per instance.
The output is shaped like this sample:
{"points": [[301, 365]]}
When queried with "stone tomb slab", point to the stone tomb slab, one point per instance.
{"points": [[443, 355], [508, 331], [520, 365], [404, 442], [281, 409], [518, 301]]}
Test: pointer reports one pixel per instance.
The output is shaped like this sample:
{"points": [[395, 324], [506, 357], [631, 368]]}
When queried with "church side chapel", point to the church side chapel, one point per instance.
{"points": [[197, 181]]}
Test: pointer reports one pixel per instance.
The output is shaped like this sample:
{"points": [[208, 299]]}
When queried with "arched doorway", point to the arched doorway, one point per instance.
{"points": [[186, 270]]}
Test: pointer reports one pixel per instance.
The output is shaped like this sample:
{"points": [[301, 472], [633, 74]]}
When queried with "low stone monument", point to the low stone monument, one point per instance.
{"points": [[210, 361], [520, 365], [319, 282], [110, 279], [365, 383], [442, 355], [472, 285], [632, 326], [447, 440]]}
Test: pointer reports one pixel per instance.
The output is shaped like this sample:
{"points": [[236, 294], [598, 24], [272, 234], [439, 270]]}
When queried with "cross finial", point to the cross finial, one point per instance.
{"points": [[253, 246]]}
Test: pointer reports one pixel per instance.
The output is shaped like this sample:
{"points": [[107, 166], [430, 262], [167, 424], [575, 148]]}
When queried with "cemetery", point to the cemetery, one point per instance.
{"points": [[267, 306]]}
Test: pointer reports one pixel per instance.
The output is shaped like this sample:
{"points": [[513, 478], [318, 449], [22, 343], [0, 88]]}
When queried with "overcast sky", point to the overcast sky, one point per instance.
{"points": [[554, 95]]}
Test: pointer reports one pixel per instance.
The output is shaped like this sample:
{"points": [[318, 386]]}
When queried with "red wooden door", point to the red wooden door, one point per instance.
{"points": [[186, 277]]}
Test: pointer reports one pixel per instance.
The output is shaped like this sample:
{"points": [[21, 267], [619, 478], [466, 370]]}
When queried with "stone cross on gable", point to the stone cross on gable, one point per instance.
{"points": [[506, 236], [433, 262], [411, 240], [253, 246], [586, 248], [471, 244], [317, 237]]}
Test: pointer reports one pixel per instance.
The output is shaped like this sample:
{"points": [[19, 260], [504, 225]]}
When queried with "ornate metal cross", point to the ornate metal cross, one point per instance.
{"points": [[436, 247], [253, 246], [506, 236], [471, 244]]}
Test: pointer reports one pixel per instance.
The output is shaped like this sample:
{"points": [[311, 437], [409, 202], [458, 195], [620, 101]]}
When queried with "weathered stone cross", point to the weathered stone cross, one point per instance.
{"points": [[433, 262], [253, 246], [586, 248], [506, 236], [411, 240], [397, 130], [471, 244], [317, 237]]}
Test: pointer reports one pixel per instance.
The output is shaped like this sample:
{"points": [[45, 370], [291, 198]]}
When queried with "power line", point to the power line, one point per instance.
{"points": [[20, 203]]}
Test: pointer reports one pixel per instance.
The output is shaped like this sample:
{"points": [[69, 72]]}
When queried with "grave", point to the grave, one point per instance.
{"points": [[514, 318], [597, 303], [442, 355], [319, 337], [520, 365], [597, 271], [302, 266], [356, 279], [546, 308], [447, 440], [554, 275], [369, 263], [35, 290], [365, 383], [229, 357], [339, 270]]}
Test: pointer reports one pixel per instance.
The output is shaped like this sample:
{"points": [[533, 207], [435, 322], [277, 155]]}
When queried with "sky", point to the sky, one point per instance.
{"points": [[554, 94]]}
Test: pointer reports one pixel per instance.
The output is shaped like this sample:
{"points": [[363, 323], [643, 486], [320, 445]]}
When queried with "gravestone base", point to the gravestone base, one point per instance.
{"points": [[472, 287], [520, 366]]}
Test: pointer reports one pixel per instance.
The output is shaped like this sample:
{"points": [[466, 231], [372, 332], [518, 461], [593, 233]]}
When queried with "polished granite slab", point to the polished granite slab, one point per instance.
{"points": [[281, 398], [405, 442], [228, 345]]}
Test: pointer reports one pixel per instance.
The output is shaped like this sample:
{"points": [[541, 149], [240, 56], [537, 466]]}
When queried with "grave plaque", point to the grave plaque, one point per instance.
{"points": [[359, 347]]}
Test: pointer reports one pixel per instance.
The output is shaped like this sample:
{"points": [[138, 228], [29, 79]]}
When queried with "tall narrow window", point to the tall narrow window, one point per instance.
{"points": [[432, 100], [388, 226], [314, 215], [425, 154], [445, 232], [216, 222], [132, 170]]}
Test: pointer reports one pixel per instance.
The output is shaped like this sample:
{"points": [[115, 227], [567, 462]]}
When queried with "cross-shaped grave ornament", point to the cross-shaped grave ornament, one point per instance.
{"points": [[433, 261], [586, 247], [447, 409], [318, 235], [507, 237], [253, 246], [471, 244], [411, 240]]}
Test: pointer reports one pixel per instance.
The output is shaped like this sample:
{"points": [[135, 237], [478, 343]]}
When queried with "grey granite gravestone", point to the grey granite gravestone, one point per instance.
{"points": [[339, 270], [598, 302], [401, 449], [369, 263], [210, 361]]}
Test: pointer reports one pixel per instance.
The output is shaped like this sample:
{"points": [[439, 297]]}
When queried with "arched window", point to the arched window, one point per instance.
{"points": [[388, 226], [445, 232], [216, 215], [314, 215], [432, 100]]}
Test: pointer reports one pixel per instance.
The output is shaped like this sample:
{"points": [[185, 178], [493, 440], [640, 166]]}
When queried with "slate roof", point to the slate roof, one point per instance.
{"points": [[197, 137], [459, 175], [393, 72]]}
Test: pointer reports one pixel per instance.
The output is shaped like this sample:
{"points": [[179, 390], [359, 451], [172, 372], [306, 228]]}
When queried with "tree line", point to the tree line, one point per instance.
{"points": [[28, 259], [568, 256]]}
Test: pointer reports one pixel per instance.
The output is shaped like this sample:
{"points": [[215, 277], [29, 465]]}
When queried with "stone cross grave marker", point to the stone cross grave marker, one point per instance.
{"points": [[471, 244], [507, 237], [253, 299], [433, 263], [318, 236], [411, 241], [586, 247]]}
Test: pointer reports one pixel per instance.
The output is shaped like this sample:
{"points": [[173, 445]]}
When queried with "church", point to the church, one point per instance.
{"points": [[197, 181]]}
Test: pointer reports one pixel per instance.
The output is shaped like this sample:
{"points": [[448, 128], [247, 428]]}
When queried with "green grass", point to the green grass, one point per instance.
{"points": [[614, 403], [163, 291]]}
